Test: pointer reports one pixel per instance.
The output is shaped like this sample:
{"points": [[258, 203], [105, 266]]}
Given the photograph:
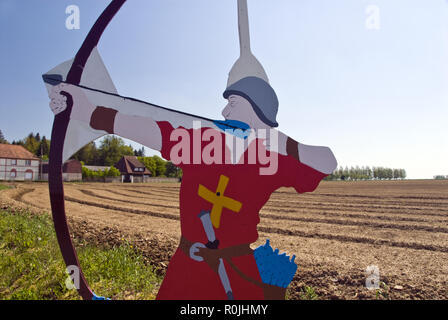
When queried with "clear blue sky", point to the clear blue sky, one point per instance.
{"points": [[375, 97]]}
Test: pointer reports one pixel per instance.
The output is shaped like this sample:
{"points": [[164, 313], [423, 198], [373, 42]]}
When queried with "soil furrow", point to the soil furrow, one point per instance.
{"points": [[93, 194], [296, 233], [130, 210], [389, 243], [299, 219]]}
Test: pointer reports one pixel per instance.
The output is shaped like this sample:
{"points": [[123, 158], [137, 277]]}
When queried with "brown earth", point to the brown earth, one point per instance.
{"points": [[336, 232]]}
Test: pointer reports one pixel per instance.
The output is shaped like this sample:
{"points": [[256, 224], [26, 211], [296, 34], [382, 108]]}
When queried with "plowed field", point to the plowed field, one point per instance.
{"points": [[336, 232]]}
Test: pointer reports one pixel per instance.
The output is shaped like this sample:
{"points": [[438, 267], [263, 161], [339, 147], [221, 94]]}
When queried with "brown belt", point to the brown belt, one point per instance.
{"points": [[270, 292], [225, 253]]}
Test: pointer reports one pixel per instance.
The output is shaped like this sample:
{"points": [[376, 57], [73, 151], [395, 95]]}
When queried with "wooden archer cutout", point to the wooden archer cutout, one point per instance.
{"points": [[214, 259]]}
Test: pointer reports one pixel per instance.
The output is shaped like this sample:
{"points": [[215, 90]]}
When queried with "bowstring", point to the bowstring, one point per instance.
{"points": [[145, 102]]}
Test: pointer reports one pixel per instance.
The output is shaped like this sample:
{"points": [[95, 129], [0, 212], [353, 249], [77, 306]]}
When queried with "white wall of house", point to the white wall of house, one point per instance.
{"points": [[19, 170]]}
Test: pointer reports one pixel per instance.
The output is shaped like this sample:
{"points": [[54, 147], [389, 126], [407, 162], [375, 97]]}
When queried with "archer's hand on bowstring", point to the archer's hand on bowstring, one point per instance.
{"points": [[104, 115], [63, 94]]}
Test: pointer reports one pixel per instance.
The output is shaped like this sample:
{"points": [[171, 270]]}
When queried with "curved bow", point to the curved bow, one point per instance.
{"points": [[58, 134], [61, 131]]}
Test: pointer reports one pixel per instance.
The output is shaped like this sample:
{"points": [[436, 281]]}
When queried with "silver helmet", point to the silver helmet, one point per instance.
{"points": [[260, 95]]}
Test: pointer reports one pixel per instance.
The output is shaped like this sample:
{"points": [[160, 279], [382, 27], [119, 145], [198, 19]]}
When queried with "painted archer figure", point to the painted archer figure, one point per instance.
{"points": [[230, 168]]}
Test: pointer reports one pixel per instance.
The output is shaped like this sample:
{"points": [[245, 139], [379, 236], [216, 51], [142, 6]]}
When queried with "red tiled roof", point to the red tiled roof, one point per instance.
{"points": [[11, 151]]}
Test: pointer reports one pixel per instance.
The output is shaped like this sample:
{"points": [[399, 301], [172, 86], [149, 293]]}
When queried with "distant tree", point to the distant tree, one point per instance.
{"points": [[112, 172], [369, 173], [150, 164], [160, 166], [402, 174], [31, 144], [351, 173], [2, 138], [440, 177], [172, 170], [345, 174], [43, 150], [86, 173], [357, 175], [339, 173], [140, 152], [375, 173], [113, 149], [88, 154], [389, 173]]}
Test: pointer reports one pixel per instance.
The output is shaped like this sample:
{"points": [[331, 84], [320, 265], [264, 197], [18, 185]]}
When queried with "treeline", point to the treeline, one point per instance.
{"points": [[366, 173], [161, 168], [2, 138], [441, 177], [37, 145], [112, 149], [108, 172], [109, 151]]}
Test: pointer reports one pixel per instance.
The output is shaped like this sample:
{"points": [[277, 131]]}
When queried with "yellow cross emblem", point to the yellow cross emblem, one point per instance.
{"points": [[218, 200]]}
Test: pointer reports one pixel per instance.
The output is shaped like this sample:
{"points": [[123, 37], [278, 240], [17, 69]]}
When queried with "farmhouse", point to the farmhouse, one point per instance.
{"points": [[132, 170], [71, 170], [18, 164]]}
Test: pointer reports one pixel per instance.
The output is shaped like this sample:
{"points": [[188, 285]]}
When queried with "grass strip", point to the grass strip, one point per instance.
{"points": [[3, 187], [32, 268]]}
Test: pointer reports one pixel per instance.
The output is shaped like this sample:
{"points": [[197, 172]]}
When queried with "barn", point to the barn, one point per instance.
{"points": [[71, 170], [132, 170], [18, 164]]}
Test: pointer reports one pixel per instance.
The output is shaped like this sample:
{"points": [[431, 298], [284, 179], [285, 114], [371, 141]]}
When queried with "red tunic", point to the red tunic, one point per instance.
{"points": [[189, 279]]}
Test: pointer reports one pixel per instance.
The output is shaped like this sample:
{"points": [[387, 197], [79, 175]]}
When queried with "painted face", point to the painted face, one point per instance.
{"points": [[240, 109]]}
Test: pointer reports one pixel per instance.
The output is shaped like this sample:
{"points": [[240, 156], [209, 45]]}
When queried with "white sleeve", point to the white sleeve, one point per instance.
{"points": [[139, 129], [319, 158]]}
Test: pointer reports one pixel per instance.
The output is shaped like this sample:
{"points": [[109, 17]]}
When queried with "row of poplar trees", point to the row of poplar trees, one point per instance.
{"points": [[367, 173]]}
